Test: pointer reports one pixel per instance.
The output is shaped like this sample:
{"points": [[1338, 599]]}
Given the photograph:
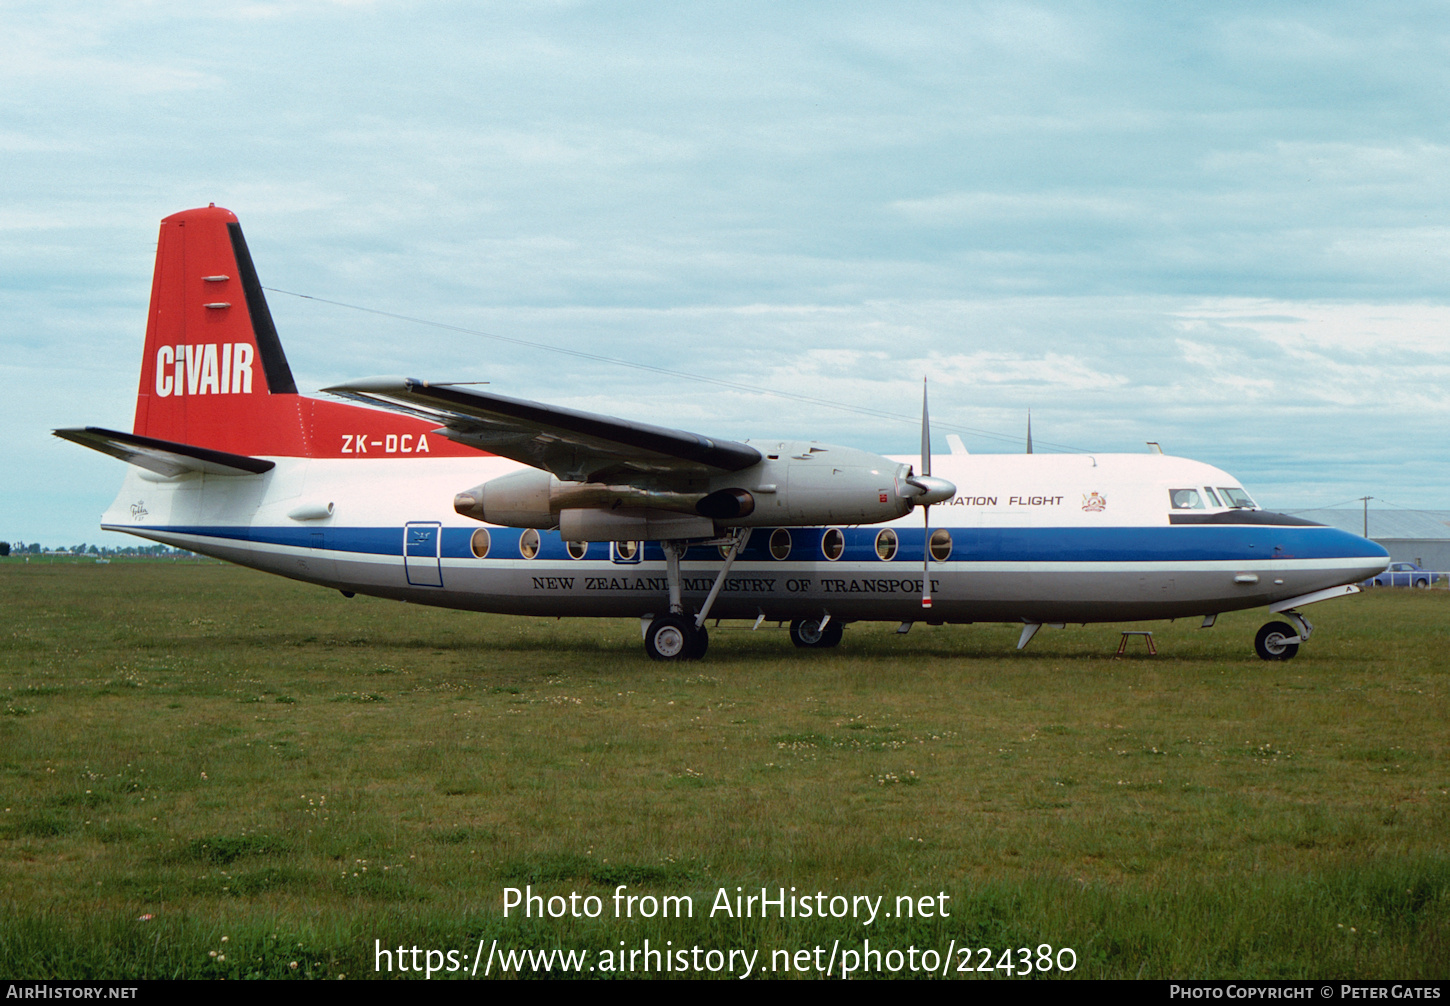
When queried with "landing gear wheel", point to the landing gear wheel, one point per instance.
{"points": [[668, 638], [1272, 641], [807, 633], [699, 643], [674, 637]]}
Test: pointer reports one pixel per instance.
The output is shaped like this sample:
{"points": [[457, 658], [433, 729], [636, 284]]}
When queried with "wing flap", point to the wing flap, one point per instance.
{"points": [[572, 445], [163, 456]]}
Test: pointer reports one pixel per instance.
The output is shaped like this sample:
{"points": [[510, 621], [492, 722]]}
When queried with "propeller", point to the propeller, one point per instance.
{"points": [[925, 507], [931, 490]]}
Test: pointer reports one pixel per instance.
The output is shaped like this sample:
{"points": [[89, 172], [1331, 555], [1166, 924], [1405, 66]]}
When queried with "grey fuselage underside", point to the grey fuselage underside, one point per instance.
{"points": [[803, 589]]}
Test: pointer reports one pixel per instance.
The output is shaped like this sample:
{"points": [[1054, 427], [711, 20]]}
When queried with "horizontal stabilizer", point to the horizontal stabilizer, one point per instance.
{"points": [[162, 456], [572, 445]]}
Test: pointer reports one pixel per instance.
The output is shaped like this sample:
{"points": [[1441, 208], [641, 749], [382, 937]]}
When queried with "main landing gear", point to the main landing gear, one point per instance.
{"points": [[675, 637], [815, 633], [678, 636]]}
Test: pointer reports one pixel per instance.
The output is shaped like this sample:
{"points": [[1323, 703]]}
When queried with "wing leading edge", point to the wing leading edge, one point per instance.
{"points": [[573, 446]]}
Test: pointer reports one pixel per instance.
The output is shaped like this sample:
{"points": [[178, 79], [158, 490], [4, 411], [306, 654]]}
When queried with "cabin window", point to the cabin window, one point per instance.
{"points": [[833, 543], [779, 543], [941, 545], [1234, 496], [529, 543], [479, 543], [1186, 499], [886, 545], [626, 550], [577, 549]]}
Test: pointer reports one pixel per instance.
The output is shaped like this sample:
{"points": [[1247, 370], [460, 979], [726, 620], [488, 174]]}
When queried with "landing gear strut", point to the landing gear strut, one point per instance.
{"points": [[677, 636]]}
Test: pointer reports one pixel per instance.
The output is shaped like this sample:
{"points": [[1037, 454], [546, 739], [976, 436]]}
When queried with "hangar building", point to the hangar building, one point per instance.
{"points": [[1418, 536]]}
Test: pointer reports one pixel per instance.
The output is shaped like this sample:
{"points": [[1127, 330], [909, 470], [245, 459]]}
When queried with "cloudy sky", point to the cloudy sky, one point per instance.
{"points": [[1222, 226]]}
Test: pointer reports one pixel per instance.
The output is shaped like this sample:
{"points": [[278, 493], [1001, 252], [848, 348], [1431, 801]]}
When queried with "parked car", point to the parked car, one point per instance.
{"points": [[1402, 574]]}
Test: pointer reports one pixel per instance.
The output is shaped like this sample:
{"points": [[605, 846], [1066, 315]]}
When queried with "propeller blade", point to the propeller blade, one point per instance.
{"points": [[928, 488], [926, 557], [925, 434], [926, 506]]}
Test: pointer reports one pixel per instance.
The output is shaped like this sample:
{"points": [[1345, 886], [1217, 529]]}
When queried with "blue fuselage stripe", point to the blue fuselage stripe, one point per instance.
{"points": [[1181, 543]]}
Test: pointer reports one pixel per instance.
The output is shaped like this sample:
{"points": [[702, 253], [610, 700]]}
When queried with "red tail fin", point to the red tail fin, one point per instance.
{"points": [[213, 373]]}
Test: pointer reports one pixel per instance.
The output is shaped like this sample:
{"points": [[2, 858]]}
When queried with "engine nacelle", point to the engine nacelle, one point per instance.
{"points": [[794, 485], [632, 524], [728, 505], [804, 484], [535, 498], [519, 499]]}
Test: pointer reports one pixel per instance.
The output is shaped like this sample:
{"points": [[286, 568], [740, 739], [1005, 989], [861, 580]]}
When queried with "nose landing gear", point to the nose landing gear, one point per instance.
{"points": [[1277, 641], [1280, 640]]}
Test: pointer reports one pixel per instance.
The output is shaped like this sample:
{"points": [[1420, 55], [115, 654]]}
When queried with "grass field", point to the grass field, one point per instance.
{"points": [[209, 772]]}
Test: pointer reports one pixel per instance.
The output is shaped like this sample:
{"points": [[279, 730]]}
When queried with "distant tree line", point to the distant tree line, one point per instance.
{"points": [[34, 548]]}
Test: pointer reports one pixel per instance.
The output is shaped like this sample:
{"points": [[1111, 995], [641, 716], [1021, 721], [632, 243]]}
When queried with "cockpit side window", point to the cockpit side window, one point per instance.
{"points": [[1212, 496], [1185, 499], [1236, 497]]}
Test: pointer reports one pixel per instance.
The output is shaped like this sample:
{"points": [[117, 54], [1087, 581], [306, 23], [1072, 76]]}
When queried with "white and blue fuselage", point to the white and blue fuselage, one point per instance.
{"points": [[1029, 538]]}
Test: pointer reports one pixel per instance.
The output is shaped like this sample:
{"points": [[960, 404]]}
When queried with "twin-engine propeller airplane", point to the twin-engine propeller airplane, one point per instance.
{"points": [[572, 513]]}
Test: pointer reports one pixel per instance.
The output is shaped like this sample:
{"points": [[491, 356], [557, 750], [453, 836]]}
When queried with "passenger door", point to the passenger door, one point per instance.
{"points": [[422, 555]]}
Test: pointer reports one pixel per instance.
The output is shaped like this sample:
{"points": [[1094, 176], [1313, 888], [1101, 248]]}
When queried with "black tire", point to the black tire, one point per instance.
{"points": [[1270, 643], [669, 638], [699, 643], [1422, 583], [807, 633]]}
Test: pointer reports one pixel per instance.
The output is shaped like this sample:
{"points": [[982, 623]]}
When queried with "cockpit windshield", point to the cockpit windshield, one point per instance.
{"points": [[1205, 498], [1236, 497]]}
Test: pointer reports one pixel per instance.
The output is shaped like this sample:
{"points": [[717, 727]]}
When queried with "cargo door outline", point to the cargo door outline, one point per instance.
{"points": [[422, 556]]}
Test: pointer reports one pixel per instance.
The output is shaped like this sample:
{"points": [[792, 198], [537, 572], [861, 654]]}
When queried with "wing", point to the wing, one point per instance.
{"points": [[573, 446]]}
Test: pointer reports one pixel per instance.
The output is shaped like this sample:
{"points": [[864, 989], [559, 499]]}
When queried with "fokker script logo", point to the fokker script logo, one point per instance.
{"points": [[138, 510]]}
